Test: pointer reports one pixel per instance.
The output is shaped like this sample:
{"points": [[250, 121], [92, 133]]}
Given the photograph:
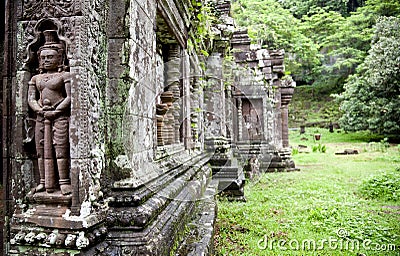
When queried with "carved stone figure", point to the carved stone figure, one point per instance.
{"points": [[41, 237], [30, 238], [19, 237], [70, 240], [51, 239], [60, 240], [82, 241], [253, 124], [49, 96]]}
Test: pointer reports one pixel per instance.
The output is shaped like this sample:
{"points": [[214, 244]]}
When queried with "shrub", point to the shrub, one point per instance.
{"points": [[384, 186], [318, 147]]}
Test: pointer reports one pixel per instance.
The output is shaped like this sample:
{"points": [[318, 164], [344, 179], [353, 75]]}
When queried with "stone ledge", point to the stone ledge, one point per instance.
{"points": [[138, 214], [131, 196], [167, 227], [199, 240]]}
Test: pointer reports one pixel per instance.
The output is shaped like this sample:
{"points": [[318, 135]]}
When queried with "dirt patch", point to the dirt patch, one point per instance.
{"points": [[393, 207]]}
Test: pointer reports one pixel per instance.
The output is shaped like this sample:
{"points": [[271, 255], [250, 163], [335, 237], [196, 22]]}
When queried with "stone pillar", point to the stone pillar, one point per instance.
{"points": [[286, 96], [285, 134], [277, 116], [194, 110], [161, 109], [240, 119], [173, 73], [186, 101], [215, 98], [168, 134]]}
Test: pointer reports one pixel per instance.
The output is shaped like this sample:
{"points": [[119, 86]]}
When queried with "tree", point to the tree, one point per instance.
{"points": [[325, 42], [371, 100], [300, 8], [274, 27], [344, 43]]}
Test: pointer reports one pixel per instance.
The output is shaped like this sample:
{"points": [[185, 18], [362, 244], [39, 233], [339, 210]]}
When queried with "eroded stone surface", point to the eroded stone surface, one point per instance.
{"points": [[146, 122]]}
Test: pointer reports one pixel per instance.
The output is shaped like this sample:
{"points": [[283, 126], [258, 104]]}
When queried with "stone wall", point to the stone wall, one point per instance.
{"points": [[146, 122], [260, 77], [81, 25], [135, 74]]}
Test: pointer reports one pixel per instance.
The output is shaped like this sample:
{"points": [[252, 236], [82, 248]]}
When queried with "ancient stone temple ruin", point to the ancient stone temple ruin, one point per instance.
{"points": [[122, 120]]}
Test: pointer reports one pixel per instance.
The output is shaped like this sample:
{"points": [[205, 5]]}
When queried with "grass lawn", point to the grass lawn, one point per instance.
{"points": [[328, 208]]}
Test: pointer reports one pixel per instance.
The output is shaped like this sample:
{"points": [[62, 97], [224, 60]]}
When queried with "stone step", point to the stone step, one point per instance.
{"points": [[220, 162], [221, 169], [157, 225]]}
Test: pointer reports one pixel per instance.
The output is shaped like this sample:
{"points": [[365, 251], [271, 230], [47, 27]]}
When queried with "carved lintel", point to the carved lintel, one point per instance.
{"points": [[50, 8], [171, 15]]}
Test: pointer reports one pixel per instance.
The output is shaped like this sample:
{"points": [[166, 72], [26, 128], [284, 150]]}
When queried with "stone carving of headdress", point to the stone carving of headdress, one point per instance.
{"points": [[47, 36]]}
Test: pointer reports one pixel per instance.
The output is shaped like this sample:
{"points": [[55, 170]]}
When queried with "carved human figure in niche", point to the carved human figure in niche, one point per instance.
{"points": [[252, 124], [49, 96]]}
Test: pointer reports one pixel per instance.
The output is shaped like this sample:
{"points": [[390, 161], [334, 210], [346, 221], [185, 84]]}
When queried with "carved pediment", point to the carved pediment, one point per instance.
{"points": [[50, 8]]}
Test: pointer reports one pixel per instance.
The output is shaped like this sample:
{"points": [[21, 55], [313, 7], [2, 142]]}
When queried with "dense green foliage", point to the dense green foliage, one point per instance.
{"points": [[372, 97], [273, 27], [299, 8], [327, 42], [384, 186]]}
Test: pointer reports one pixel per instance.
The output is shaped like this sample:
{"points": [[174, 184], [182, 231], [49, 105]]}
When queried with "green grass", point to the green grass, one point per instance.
{"points": [[327, 196]]}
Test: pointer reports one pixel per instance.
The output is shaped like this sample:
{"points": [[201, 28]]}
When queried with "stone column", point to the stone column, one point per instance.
{"points": [[286, 96], [285, 134], [277, 137], [215, 98], [173, 73], [185, 101], [167, 132], [240, 119], [161, 109]]}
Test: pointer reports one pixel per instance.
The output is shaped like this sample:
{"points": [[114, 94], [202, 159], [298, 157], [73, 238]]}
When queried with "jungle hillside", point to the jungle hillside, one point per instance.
{"points": [[343, 54]]}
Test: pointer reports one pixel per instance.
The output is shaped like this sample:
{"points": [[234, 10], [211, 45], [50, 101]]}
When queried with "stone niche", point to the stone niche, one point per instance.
{"points": [[54, 152]]}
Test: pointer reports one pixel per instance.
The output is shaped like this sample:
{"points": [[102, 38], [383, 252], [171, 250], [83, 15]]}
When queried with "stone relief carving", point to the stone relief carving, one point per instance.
{"points": [[49, 97], [50, 8], [28, 36], [58, 239], [213, 125], [252, 123]]}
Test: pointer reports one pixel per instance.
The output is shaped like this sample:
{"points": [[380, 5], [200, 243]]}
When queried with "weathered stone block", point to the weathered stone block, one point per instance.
{"points": [[277, 62], [240, 56], [252, 64], [117, 59], [264, 63], [278, 69], [267, 70], [118, 19]]}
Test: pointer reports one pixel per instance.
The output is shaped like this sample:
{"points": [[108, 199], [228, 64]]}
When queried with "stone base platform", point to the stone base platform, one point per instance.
{"points": [[270, 159], [153, 219]]}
